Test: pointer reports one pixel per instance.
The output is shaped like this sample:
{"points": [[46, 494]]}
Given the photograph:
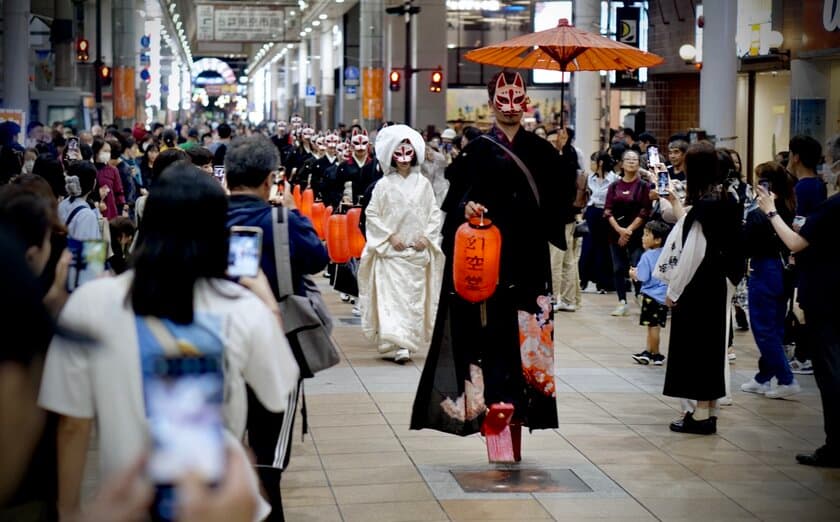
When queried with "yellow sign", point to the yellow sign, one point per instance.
{"points": [[373, 86], [124, 93]]}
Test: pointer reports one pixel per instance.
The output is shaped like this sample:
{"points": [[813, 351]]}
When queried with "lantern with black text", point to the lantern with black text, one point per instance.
{"points": [[307, 199], [296, 196], [337, 245], [318, 218], [354, 233], [477, 255]]}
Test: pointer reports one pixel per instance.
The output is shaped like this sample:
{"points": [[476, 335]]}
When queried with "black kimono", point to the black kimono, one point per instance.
{"points": [[697, 347], [511, 359], [361, 176], [312, 173]]}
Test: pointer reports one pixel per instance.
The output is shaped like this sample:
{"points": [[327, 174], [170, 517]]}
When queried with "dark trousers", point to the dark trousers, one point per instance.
{"points": [[767, 314], [824, 333], [622, 259], [595, 264]]}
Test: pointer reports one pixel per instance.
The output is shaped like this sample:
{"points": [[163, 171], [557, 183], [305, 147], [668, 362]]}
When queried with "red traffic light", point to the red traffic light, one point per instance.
{"points": [[437, 81], [104, 73], [82, 48], [395, 80]]}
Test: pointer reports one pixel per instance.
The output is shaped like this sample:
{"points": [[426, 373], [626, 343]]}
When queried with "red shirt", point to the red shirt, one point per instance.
{"points": [[109, 176]]}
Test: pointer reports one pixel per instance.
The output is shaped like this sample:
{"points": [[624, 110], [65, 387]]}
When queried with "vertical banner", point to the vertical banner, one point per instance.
{"points": [[124, 93], [373, 87], [628, 25]]}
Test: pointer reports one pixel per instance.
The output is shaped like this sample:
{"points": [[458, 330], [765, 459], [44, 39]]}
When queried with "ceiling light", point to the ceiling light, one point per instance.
{"points": [[316, 23], [308, 30], [302, 34], [322, 16], [289, 46]]}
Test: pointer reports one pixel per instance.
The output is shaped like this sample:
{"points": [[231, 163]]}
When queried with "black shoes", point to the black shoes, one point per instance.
{"points": [[820, 458], [688, 425], [741, 320]]}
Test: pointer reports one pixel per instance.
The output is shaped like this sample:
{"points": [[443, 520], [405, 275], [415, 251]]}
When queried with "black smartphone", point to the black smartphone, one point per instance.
{"points": [[87, 263], [766, 184], [183, 397], [244, 251], [73, 143]]}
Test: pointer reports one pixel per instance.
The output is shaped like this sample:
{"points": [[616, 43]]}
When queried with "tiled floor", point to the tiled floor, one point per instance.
{"points": [[361, 462]]}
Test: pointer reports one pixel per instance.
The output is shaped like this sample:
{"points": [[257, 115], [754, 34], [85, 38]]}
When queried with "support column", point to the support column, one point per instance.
{"points": [[303, 76], [125, 59], [809, 92], [718, 77], [327, 94], [315, 77], [429, 108], [587, 88], [62, 38], [16, 55], [372, 26], [288, 97]]}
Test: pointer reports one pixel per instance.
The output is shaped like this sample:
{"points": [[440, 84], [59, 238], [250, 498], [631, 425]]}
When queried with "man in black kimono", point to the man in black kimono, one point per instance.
{"points": [[360, 170], [312, 173], [283, 141], [500, 351]]}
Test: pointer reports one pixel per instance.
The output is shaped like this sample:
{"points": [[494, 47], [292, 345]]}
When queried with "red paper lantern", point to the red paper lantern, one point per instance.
{"points": [[354, 233], [327, 213], [337, 244], [306, 201], [318, 218], [296, 195], [477, 255]]}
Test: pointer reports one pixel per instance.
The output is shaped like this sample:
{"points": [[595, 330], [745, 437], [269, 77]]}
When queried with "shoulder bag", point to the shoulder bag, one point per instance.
{"points": [[306, 320], [520, 164]]}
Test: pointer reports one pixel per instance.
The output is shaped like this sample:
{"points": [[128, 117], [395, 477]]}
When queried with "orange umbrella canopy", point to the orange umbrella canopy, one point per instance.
{"points": [[564, 48]]}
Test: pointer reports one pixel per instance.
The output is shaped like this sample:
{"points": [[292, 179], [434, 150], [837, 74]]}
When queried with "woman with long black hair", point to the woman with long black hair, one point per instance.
{"points": [[595, 264], [178, 284]]}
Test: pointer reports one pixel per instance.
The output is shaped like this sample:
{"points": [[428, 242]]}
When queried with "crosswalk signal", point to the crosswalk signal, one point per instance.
{"points": [[437, 80], [104, 73], [82, 48], [395, 80]]}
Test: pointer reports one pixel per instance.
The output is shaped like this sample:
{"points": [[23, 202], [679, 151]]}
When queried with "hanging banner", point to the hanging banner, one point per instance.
{"points": [[240, 22], [373, 87], [124, 92]]}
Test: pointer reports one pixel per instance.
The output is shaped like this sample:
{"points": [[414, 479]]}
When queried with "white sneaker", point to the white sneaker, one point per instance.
{"points": [[731, 355], [402, 356], [622, 310], [357, 312], [725, 401], [783, 390], [344, 297], [754, 386], [801, 368], [563, 306]]}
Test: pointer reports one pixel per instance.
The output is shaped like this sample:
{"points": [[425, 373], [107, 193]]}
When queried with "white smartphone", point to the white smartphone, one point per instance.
{"points": [[244, 252], [653, 156], [184, 397]]}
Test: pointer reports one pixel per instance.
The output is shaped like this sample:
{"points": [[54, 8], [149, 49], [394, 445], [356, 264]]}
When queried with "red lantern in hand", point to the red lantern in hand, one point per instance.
{"points": [[318, 218], [327, 213], [477, 256], [337, 244], [296, 196], [307, 199], [354, 233]]}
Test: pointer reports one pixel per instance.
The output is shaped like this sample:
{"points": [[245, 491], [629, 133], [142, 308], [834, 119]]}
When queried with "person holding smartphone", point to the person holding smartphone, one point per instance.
{"points": [[179, 282]]}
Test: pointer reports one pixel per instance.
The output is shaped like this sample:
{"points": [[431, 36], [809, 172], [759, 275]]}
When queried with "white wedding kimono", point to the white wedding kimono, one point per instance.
{"points": [[399, 291]]}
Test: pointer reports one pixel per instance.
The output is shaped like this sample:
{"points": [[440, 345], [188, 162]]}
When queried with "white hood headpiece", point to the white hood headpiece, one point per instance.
{"points": [[390, 137]]}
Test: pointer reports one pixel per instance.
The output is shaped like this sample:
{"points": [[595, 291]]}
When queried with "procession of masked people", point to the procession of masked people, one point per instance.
{"points": [[172, 282]]}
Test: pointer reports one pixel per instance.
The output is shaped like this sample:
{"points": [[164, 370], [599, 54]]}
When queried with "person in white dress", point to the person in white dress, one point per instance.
{"points": [[401, 268]]}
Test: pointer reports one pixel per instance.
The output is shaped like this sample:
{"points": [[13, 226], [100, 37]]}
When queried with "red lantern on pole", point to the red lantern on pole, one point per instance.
{"points": [[296, 195], [327, 213], [306, 201], [318, 218], [337, 244], [354, 233], [477, 256]]}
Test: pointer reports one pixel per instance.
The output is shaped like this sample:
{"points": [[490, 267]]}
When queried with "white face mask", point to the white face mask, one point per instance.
{"points": [[28, 165], [104, 157]]}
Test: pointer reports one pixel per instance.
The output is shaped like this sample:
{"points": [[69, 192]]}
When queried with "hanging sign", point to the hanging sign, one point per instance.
{"points": [[240, 22]]}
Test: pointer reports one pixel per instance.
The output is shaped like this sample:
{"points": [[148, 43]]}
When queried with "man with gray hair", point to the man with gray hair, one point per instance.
{"points": [[250, 167]]}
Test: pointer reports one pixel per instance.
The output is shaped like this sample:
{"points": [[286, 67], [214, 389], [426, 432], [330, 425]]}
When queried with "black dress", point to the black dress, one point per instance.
{"points": [[697, 348], [511, 359]]}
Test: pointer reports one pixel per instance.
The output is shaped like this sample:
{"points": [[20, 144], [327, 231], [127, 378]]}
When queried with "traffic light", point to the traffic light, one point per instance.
{"points": [[104, 73], [82, 48], [395, 80], [437, 80]]}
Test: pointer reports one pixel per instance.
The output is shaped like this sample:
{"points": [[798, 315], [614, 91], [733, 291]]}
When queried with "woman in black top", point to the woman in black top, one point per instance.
{"points": [[767, 293]]}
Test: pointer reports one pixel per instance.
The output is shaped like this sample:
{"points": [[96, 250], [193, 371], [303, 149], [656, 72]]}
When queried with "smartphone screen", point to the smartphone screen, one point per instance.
{"points": [[183, 397], [88, 261], [653, 155], [766, 184], [73, 143], [664, 182], [219, 173], [244, 252]]}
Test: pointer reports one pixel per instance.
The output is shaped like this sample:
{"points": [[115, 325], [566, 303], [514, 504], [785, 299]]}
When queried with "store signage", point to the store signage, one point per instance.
{"points": [[831, 15], [627, 21], [240, 22], [351, 75]]}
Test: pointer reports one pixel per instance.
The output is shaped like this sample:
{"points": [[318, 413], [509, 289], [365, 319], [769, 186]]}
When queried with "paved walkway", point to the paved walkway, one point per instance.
{"points": [[360, 461]]}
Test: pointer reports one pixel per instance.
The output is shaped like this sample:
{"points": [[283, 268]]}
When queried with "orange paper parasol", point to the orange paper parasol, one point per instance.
{"points": [[564, 48]]}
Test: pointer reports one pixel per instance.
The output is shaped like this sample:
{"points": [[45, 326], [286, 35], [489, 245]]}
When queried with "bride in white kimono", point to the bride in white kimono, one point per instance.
{"points": [[401, 268]]}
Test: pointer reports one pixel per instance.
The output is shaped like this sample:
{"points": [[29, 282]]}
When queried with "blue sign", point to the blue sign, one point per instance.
{"points": [[310, 90], [145, 60], [351, 73], [351, 89], [145, 41]]}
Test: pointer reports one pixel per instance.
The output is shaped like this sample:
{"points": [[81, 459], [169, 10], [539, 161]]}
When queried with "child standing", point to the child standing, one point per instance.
{"points": [[654, 312]]}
